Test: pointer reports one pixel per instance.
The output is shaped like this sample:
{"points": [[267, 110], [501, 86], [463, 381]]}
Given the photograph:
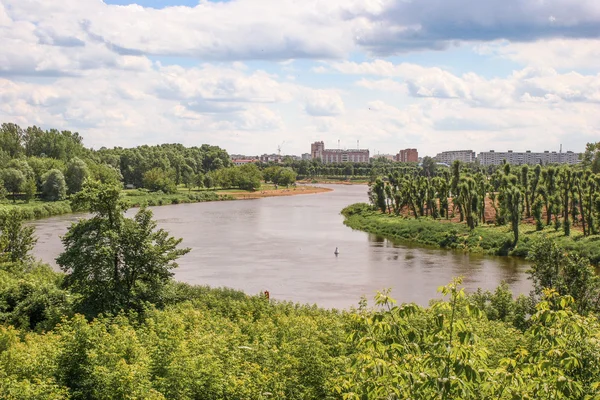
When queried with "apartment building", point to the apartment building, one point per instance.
{"points": [[408, 155], [331, 156], [528, 157], [448, 157]]}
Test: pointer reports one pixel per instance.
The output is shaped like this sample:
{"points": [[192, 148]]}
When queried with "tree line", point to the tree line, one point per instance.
{"points": [[54, 164]]}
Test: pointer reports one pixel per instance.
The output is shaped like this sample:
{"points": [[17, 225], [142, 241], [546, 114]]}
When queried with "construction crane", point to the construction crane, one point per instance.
{"points": [[279, 148]]}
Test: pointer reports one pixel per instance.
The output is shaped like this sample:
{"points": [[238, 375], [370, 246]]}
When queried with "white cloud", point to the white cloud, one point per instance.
{"points": [[528, 84], [557, 53], [322, 103]]}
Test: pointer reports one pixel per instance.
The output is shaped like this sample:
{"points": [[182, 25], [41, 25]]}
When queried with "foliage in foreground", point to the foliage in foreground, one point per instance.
{"points": [[221, 344]]}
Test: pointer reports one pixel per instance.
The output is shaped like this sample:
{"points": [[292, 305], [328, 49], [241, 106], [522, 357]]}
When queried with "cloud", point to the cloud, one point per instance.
{"points": [[236, 30], [322, 103], [557, 53], [527, 85], [288, 29], [437, 24]]}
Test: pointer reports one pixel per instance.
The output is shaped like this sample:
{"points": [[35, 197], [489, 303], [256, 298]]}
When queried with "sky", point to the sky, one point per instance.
{"points": [[254, 75]]}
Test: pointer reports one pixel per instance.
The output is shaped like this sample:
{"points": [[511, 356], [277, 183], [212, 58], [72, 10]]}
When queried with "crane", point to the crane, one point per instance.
{"points": [[279, 148]]}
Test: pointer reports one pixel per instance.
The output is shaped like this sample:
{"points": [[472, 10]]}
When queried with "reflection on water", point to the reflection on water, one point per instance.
{"points": [[286, 244]]}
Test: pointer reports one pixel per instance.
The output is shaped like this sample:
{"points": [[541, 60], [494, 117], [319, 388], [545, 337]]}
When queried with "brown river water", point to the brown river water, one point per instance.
{"points": [[286, 245]]}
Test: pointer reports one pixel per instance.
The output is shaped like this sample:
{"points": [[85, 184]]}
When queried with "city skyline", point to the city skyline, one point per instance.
{"points": [[504, 75]]}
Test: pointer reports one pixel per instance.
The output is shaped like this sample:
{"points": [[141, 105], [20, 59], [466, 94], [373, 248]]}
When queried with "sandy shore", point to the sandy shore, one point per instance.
{"points": [[279, 192], [326, 182]]}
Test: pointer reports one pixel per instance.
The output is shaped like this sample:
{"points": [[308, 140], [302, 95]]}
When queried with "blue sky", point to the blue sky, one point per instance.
{"points": [[248, 75]]}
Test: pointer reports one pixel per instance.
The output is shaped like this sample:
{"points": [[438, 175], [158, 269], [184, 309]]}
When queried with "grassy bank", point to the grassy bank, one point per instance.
{"points": [[488, 239], [139, 197], [38, 209]]}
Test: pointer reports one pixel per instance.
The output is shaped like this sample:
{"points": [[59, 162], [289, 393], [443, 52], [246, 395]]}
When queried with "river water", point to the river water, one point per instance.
{"points": [[286, 245]]}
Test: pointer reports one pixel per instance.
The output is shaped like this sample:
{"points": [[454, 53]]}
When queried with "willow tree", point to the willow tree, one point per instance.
{"points": [[514, 205], [549, 192], [469, 200], [565, 184], [526, 188]]}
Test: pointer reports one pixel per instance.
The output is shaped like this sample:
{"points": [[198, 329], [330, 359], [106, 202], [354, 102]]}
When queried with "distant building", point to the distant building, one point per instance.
{"points": [[306, 156], [390, 157], [330, 156], [408, 155], [239, 162], [448, 157], [271, 158], [495, 158]]}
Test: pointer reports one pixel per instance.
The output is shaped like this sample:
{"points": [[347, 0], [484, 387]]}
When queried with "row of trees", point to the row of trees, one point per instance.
{"points": [[561, 196], [54, 180], [55, 164]]}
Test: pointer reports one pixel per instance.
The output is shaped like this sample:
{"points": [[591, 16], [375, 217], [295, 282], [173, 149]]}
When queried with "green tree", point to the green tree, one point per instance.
{"points": [[14, 181], [114, 262], [568, 274], [156, 179], [429, 166], [77, 172], [18, 240], [30, 189], [514, 207], [469, 200], [270, 173], [378, 195], [11, 139], [248, 177], [591, 157], [3, 191], [54, 187], [286, 176]]}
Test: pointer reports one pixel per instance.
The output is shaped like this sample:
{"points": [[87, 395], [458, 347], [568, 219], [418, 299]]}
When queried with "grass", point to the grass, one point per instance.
{"points": [[488, 239], [141, 197], [36, 209]]}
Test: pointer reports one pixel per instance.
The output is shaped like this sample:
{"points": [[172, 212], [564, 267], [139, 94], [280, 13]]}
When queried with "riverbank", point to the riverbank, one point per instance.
{"points": [[38, 209], [292, 191], [488, 239], [336, 181]]}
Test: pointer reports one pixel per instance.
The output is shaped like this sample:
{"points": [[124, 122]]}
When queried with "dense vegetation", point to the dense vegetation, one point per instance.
{"points": [[113, 325], [40, 169], [561, 197]]}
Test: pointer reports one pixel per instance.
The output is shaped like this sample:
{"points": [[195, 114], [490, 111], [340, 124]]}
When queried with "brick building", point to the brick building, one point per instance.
{"points": [[408, 155]]}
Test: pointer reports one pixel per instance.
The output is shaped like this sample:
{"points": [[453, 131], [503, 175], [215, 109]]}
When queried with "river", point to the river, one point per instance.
{"points": [[286, 245]]}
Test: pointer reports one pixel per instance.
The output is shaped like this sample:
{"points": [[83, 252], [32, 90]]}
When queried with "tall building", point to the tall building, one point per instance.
{"points": [[408, 155], [448, 157], [495, 158], [330, 156]]}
